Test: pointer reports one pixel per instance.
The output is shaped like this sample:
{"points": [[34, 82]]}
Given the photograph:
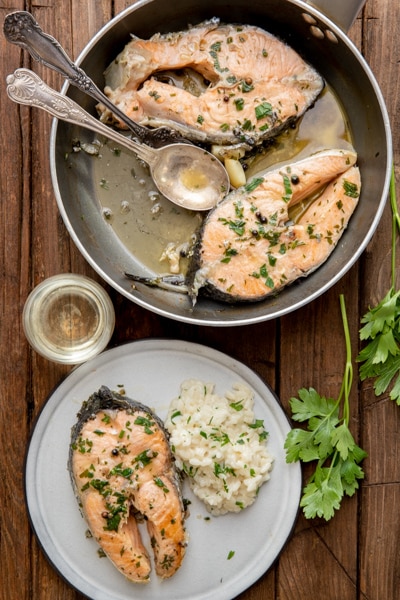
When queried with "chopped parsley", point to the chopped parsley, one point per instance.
{"points": [[176, 414], [155, 95], [263, 110], [288, 189], [246, 87], [214, 49], [120, 470], [229, 252], [239, 103], [83, 445], [350, 189], [262, 273], [146, 422], [159, 483], [253, 184], [237, 226]]}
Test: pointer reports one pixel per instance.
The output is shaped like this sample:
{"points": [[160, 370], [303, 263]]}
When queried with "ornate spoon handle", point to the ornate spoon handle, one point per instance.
{"points": [[20, 28], [25, 87]]}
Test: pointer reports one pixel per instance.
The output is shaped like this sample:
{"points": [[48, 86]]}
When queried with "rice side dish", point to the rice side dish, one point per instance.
{"points": [[219, 444]]}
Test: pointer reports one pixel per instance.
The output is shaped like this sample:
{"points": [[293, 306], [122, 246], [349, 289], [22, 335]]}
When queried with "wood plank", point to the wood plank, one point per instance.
{"points": [[353, 556], [380, 534], [379, 531], [14, 370], [53, 250]]}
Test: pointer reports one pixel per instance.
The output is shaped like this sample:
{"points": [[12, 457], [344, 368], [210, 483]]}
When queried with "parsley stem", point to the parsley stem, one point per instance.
{"points": [[395, 224], [348, 371]]}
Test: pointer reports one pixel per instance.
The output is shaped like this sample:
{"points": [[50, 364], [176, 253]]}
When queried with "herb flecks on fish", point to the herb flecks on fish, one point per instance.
{"points": [[252, 72], [121, 463], [270, 250]]}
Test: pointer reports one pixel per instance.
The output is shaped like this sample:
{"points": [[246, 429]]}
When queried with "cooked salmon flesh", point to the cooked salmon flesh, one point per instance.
{"points": [[121, 466], [249, 248], [253, 85]]}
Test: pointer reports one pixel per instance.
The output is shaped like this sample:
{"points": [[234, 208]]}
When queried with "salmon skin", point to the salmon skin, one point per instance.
{"points": [[248, 248], [120, 464], [253, 87]]}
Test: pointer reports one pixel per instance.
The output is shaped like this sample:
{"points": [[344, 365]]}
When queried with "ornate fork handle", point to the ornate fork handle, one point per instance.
{"points": [[21, 28]]}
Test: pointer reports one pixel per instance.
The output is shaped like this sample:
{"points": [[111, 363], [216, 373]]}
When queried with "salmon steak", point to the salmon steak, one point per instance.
{"points": [[249, 248], [239, 84], [121, 466]]}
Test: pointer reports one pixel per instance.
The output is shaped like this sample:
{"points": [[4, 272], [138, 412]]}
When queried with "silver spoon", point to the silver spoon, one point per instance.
{"points": [[185, 174], [20, 28]]}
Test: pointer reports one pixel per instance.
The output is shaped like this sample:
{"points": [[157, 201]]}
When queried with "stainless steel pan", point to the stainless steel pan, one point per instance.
{"points": [[323, 43]]}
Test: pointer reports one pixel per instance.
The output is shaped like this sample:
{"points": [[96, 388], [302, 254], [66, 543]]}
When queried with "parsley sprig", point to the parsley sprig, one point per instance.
{"points": [[380, 357], [328, 441]]}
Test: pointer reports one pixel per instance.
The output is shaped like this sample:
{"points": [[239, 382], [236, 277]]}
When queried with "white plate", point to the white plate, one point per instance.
{"points": [[151, 372]]}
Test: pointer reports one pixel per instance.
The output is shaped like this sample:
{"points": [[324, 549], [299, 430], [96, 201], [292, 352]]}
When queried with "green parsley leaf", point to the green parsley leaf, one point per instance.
{"points": [[380, 357], [253, 184], [328, 441], [350, 189], [239, 103], [263, 110], [322, 496]]}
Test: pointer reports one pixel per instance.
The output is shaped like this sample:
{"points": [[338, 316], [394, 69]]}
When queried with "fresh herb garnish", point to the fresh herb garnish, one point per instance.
{"points": [[229, 252], [253, 184], [145, 457], [380, 357], [239, 103], [263, 273], [246, 87], [328, 441], [350, 189], [288, 189], [83, 445], [177, 413], [238, 226], [238, 406], [154, 94], [159, 483], [122, 471], [146, 423], [263, 110]]}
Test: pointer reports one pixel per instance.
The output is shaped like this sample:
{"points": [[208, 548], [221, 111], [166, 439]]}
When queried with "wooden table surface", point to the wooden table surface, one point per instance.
{"points": [[353, 556]]}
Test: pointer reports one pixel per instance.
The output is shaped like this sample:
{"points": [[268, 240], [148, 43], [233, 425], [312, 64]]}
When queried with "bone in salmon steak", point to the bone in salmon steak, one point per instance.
{"points": [[253, 85], [120, 464], [248, 248]]}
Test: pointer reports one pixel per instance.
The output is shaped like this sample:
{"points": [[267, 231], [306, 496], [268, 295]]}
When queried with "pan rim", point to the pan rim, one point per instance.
{"points": [[192, 318]]}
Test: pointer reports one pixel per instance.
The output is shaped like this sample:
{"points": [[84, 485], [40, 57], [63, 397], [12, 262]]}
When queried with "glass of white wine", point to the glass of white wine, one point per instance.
{"points": [[68, 318]]}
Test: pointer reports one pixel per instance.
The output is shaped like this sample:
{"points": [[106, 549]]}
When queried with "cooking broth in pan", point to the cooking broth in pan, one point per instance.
{"points": [[160, 234]]}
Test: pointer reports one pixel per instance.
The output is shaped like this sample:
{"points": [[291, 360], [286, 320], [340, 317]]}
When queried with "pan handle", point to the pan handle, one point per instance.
{"points": [[341, 12]]}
